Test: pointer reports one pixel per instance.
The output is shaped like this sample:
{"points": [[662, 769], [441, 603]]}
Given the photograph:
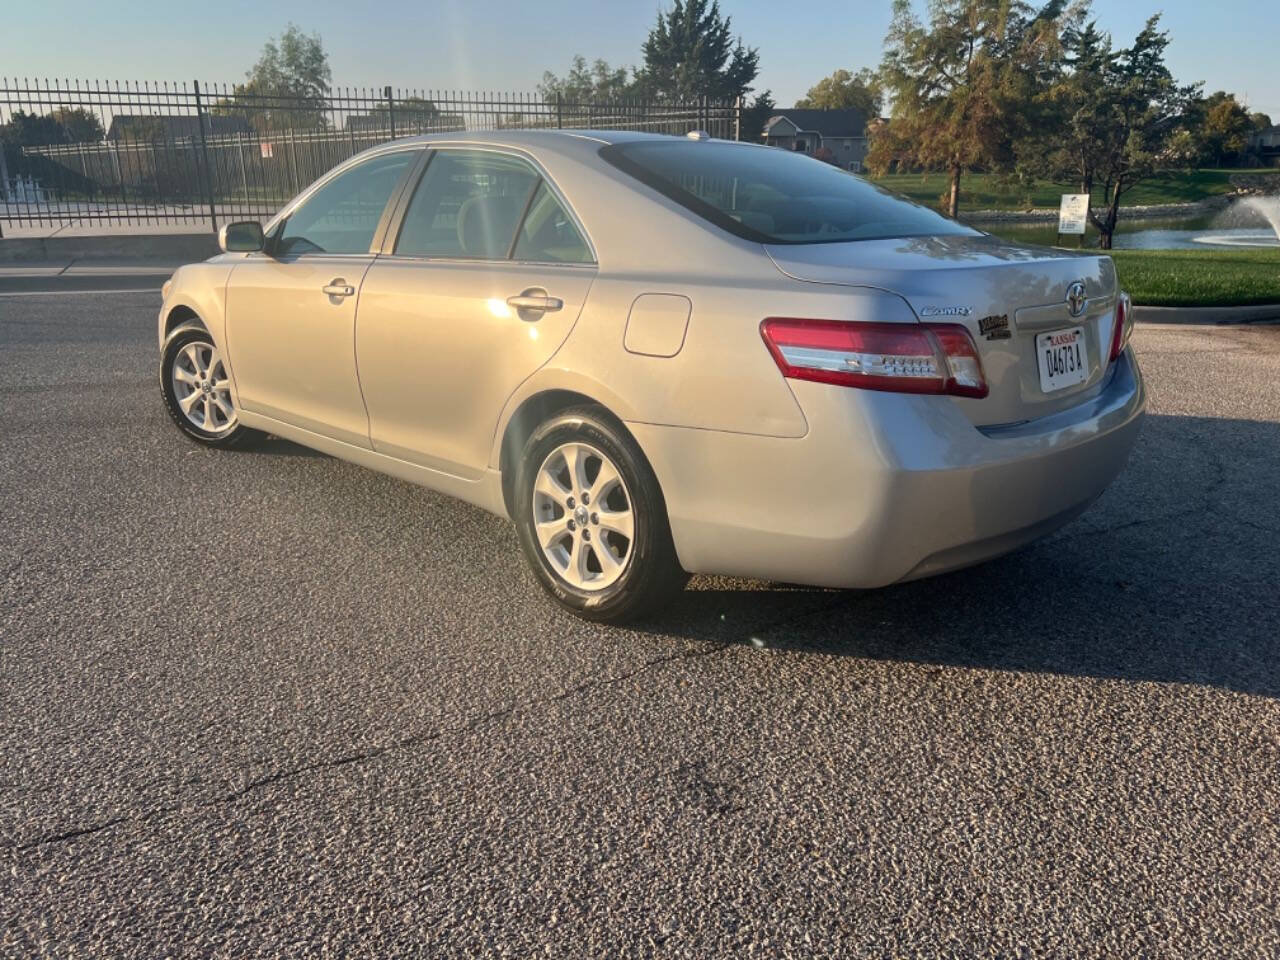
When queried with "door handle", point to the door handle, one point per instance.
{"points": [[533, 303], [338, 288]]}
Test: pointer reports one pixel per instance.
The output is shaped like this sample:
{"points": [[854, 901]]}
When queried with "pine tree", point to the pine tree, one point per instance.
{"points": [[692, 53]]}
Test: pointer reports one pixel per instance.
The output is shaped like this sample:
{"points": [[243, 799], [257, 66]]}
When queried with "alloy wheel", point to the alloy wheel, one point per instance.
{"points": [[583, 516], [202, 388]]}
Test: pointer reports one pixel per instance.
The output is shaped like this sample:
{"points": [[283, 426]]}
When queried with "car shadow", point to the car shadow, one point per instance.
{"points": [[279, 447], [1170, 577]]}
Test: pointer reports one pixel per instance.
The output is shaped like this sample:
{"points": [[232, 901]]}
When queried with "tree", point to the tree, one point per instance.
{"points": [[412, 115], [1122, 117], [62, 125], [959, 84], [26, 129], [287, 87], [1220, 127], [78, 124], [585, 84], [755, 115], [691, 53], [844, 90]]}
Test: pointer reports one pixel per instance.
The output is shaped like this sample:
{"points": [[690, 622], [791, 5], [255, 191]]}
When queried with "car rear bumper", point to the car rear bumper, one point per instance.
{"points": [[886, 487]]}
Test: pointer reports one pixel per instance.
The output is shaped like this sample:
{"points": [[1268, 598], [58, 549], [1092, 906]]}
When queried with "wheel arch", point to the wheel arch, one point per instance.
{"points": [[181, 315], [537, 409], [176, 316]]}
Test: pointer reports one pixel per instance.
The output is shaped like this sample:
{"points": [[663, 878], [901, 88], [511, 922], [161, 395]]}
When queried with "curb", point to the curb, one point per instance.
{"points": [[1154, 211], [1207, 315], [170, 247]]}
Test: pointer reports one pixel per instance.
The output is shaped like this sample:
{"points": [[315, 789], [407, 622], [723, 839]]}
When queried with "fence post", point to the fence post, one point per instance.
{"points": [[84, 172], [155, 172], [204, 154], [559, 115], [4, 182], [124, 199], [391, 110], [737, 118], [293, 158], [244, 174]]}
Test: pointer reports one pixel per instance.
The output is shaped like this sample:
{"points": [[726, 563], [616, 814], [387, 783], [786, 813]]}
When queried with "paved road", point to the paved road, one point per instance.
{"points": [[60, 278], [267, 704]]}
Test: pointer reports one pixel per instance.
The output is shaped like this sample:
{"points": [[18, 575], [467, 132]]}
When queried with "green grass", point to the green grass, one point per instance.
{"points": [[1194, 278], [985, 191]]}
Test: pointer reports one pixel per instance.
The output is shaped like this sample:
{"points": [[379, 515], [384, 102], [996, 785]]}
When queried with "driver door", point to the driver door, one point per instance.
{"points": [[291, 311]]}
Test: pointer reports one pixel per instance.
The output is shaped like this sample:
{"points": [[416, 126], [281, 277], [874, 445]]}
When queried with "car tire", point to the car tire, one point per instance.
{"points": [[579, 551], [196, 388]]}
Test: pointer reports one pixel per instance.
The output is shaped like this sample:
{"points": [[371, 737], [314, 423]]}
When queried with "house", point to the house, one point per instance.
{"points": [[839, 136], [408, 120], [132, 126], [1266, 144]]}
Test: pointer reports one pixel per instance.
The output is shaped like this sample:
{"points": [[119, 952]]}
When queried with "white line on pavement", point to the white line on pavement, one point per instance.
{"points": [[72, 293]]}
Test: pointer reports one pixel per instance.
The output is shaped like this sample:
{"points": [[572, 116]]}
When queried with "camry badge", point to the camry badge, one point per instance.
{"points": [[1076, 300], [946, 311]]}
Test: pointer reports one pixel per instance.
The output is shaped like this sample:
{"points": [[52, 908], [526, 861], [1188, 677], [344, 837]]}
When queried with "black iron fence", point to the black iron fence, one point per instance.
{"points": [[74, 152]]}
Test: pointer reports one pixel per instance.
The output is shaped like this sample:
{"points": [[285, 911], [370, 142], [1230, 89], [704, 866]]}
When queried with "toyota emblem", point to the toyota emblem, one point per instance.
{"points": [[1076, 300]]}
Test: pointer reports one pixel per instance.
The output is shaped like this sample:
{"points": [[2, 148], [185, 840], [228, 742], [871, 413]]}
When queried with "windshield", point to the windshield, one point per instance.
{"points": [[771, 195]]}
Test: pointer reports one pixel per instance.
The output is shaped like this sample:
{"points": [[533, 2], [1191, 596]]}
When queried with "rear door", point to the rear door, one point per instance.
{"points": [[291, 311], [485, 274]]}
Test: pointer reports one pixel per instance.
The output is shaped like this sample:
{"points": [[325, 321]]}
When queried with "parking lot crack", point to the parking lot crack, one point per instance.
{"points": [[76, 832], [583, 688], [1205, 503]]}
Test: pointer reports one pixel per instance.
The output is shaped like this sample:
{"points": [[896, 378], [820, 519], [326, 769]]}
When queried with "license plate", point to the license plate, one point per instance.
{"points": [[1063, 359]]}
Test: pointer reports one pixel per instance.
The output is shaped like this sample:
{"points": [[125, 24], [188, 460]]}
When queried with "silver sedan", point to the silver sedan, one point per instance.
{"points": [[661, 356]]}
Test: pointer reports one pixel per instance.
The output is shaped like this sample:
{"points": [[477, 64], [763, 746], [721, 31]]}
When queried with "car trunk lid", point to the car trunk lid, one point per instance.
{"points": [[1007, 296]]}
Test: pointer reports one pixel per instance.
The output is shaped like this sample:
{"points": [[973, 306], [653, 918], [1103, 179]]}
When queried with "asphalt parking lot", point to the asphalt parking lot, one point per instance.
{"points": [[267, 704]]}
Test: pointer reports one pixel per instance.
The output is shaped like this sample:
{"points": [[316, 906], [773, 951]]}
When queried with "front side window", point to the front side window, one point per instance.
{"points": [[467, 205], [775, 196], [342, 216]]}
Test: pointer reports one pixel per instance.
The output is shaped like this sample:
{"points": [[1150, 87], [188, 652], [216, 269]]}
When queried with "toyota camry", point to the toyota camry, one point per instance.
{"points": [[666, 355]]}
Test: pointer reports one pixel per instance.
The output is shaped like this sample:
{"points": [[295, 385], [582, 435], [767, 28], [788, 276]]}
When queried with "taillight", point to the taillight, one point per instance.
{"points": [[1123, 327], [901, 357]]}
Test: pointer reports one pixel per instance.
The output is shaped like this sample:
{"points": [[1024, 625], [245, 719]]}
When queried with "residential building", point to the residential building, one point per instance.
{"points": [[133, 126], [1266, 144], [837, 136]]}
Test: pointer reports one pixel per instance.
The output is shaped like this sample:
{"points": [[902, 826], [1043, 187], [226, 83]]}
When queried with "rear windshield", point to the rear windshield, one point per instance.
{"points": [[771, 195]]}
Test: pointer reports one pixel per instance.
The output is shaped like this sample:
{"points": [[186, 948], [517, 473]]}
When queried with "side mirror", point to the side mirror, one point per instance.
{"points": [[244, 236]]}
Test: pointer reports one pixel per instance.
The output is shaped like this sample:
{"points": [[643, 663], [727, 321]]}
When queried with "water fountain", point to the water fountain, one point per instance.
{"points": [[1249, 210]]}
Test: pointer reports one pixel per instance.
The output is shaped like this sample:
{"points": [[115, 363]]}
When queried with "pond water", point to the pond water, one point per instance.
{"points": [[1245, 223]]}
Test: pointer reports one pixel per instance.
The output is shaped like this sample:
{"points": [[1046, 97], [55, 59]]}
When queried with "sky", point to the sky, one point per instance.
{"points": [[505, 45]]}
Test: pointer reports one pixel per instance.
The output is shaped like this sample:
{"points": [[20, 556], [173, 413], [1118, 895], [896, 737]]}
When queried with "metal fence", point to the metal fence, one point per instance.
{"points": [[74, 152]]}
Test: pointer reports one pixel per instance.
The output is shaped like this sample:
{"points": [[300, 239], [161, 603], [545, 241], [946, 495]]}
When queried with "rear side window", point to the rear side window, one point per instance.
{"points": [[548, 234], [467, 205], [774, 196], [342, 215]]}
